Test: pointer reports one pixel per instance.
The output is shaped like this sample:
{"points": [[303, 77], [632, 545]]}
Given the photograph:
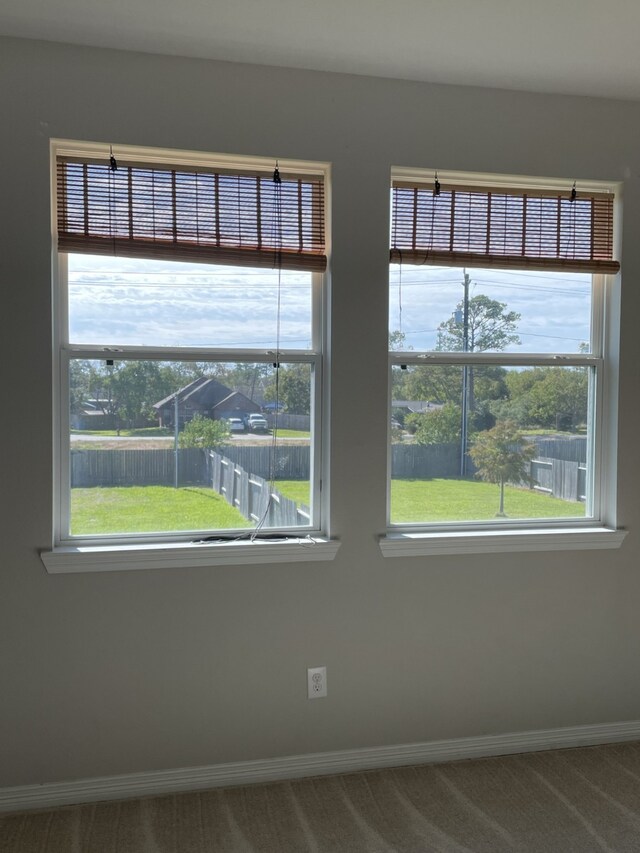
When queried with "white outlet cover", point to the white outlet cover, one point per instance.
{"points": [[317, 682]]}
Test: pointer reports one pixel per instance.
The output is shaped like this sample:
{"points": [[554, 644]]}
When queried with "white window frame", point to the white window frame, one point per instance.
{"points": [[144, 550], [599, 530]]}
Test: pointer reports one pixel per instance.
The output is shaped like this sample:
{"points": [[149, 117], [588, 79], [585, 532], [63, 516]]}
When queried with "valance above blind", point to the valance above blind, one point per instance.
{"points": [[513, 228], [184, 214]]}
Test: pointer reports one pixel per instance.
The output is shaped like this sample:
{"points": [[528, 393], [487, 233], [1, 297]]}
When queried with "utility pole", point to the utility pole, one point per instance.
{"points": [[464, 429]]}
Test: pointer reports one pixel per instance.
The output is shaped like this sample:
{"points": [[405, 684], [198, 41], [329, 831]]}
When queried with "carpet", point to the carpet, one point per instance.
{"points": [[565, 801]]}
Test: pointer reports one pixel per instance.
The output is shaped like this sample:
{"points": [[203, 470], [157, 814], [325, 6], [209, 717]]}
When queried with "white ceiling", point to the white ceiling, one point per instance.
{"points": [[584, 47]]}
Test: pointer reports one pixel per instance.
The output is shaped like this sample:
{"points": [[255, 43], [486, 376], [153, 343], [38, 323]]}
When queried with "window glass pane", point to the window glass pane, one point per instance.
{"points": [[240, 456], [486, 442], [132, 302], [507, 311]]}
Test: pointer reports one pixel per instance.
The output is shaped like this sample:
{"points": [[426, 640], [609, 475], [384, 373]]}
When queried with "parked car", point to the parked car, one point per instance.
{"points": [[257, 422], [235, 424]]}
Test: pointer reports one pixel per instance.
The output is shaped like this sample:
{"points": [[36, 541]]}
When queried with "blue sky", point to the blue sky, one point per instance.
{"points": [[122, 301], [555, 308]]}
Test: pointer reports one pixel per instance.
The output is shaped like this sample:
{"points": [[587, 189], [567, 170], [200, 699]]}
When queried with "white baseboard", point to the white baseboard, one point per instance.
{"points": [[316, 764]]}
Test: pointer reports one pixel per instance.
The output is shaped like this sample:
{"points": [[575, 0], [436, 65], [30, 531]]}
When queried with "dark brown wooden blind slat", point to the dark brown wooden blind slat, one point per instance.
{"points": [[484, 227], [153, 212]]}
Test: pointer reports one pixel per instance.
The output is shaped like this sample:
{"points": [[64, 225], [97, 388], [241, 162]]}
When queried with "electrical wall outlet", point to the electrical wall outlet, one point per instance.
{"points": [[317, 682]]}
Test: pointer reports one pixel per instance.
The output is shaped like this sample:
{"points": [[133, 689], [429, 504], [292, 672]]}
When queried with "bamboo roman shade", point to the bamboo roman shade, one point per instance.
{"points": [[216, 216], [517, 228]]}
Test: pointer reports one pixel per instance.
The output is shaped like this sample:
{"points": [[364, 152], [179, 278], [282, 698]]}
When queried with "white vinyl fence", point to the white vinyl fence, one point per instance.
{"points": [[253, 496]]}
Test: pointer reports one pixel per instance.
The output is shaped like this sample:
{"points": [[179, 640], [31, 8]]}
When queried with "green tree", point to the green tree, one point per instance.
{"points": [[560, 400], [490, 327], [441, 426], [293, 389], [502, 455], [397, 341], [134, 387], [548, 397], [126, 390], [442, 383], [249, 379], [79, 385], [204, 432]]}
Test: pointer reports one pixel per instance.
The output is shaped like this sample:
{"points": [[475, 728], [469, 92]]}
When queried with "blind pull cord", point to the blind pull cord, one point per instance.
{"points": [[113, 168]]}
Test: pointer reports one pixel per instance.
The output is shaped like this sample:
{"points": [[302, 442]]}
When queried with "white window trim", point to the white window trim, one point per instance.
{"points": [[78, 558], [500, 541], [138, 551], [596, 532]]}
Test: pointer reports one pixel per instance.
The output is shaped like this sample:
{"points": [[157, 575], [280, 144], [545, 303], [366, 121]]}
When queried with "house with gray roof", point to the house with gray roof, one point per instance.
{"points": [[207, 397]]}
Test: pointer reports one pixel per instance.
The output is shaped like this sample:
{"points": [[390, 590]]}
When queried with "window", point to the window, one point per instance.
{"points": [[189, 347], [497, 354]]}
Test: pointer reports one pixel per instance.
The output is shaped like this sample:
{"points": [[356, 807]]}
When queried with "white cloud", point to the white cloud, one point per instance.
{"points": [[125, 302], [555, 308]]}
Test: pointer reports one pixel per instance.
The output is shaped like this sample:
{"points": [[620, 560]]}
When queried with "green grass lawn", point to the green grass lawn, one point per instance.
{"points": [[292, 433], [297, 490], [454, 500], [468, 500], [146, 509]]}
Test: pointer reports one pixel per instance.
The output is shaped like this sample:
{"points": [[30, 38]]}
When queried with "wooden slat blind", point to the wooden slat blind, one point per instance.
{"points": [[159, 211], [516, 228]]}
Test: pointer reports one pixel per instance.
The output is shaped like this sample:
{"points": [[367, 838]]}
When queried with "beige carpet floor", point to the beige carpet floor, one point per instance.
{"points": [[568, 801]]}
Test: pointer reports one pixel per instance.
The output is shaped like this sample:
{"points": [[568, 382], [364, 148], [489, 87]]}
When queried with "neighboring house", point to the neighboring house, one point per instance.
{"points": [[93, 414], [207, 397]]}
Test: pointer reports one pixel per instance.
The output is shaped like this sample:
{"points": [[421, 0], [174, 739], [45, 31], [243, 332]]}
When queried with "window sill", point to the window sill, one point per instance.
{"points": [[176, 555], [498, 541]]}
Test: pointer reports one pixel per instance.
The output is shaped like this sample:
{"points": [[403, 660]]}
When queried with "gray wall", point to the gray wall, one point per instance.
{"points": [[118, 672]]}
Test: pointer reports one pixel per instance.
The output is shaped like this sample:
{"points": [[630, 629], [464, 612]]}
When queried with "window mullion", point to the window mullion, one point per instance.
{"points": [[188, 354], [508, 359], [597, 315], [62, 458]]}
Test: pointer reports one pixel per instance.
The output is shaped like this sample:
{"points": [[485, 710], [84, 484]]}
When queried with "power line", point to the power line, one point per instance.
{"points": [[478, 276], [512, 286], [411, 332]]}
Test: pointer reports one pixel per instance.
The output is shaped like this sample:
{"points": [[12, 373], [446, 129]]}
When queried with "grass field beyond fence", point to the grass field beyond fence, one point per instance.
{"points": [[469, 500], [150, 509], [146, 509]]}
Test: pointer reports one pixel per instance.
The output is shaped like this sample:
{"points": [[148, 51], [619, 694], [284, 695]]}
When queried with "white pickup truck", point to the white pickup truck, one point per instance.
{"points": [[257, 422]]}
